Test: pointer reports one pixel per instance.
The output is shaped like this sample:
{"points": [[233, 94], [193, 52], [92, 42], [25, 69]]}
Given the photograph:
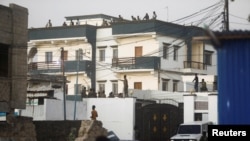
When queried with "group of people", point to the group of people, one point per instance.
{"points": [[196, 84], [49, 23], [101, 94], [146, 17], [105, 23]]}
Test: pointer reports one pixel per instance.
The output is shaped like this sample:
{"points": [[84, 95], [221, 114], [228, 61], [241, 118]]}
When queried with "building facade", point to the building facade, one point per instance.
{"points": [[13, 57], [96, 51]]}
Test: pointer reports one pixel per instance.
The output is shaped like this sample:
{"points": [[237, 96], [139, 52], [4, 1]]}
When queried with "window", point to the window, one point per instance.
{"points": [[208, 57], [65, 55], [115, 53], [165, 83], [77, 88], [4, 60], [138, 51], [48, 57], [101, 87], [175, 85], [115, 87], [102, 55], [197, 116], [175, 55], [165, 50], [138, 85], [79, 54]]}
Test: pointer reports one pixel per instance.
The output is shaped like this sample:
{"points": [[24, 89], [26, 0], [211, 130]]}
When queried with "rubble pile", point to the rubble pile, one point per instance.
{"points": [[90, 129]]}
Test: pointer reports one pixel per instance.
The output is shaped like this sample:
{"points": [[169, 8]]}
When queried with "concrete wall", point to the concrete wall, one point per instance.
{"points": [[13, 34], [209, 114], [116, 114]]}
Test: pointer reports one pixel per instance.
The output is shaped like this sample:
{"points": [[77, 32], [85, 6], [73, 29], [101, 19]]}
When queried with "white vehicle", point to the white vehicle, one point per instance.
{"points": [[191, 131]]}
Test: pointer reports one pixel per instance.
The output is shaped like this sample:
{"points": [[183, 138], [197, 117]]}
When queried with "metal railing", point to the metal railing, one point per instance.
{"points": [[151, 62], [195, 65], [44, 65]]}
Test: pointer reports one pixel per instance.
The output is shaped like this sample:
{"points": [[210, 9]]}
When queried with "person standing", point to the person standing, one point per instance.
{"points": [[146, 17], [196, 82], [49, 24], [94, 113], [77, 22], [125, 84], [203, 85], [154, 16]]}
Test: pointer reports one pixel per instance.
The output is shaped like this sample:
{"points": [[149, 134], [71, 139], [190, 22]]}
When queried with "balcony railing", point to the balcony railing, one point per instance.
{"points": [[136, 62], [44, 66], [55, 67], [195, 65]]}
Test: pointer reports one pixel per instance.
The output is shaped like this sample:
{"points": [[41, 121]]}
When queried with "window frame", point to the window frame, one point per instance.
{"points": [[165, 51], [175, 85], [208, 57], [48, 57], [165, 84]]}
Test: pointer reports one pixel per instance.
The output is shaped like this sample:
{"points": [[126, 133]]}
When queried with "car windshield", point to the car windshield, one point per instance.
{"points": [[189, 129]]}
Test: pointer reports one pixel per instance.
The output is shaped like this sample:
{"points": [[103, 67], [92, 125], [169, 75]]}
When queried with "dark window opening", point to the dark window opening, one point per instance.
{"points": [[4, 52]]}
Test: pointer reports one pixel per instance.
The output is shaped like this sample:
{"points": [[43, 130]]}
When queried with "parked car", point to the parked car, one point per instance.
{"points": [[191, 131]]}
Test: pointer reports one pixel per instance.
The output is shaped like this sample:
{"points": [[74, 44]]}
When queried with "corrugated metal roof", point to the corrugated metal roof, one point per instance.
{"points": [[236, 34]]}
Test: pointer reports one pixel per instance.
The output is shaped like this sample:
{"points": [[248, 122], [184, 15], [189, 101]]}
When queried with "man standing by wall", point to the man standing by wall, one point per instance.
{"points": [[94, 113], [196, 82], [125, 83]]}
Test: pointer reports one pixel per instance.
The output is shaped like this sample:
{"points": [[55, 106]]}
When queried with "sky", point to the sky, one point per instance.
{"points": [[167, 10]]}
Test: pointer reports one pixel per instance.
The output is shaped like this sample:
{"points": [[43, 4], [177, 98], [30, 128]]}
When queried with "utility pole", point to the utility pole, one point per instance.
{"points": [[63, 74], [77, 89], [159, 76], [226, 16]]}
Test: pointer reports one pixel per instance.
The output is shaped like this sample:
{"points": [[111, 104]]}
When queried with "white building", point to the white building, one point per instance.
{"points": [[155, 55]]}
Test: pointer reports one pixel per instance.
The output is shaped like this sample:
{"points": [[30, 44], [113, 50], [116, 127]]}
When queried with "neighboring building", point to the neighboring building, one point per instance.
{"points": [[155, 55], [13, 57]]}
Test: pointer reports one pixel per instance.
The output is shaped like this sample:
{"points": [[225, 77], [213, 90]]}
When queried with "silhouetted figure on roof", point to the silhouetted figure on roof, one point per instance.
{"points": [[104, 23], [71, 22], [77, 22], [64, 24], [146, 17], [154, 16], [138, 18], [49, 24], [120, 18], [133, 18]]}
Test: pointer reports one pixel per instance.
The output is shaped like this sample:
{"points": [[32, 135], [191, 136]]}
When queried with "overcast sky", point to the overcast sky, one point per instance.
{"points": [[167, 10]]}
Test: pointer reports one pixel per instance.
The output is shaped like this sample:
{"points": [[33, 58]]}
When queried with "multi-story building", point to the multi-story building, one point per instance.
{"points": [[98, 50], [13, 57]]}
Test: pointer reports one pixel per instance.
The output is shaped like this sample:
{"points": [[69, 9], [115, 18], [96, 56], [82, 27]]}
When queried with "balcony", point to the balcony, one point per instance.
{"points": [[59, 32], [136, 63], [195, 65], [55, 67]]}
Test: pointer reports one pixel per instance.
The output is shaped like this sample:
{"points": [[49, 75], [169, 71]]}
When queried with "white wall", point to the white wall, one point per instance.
{"points": [[189, 108], [54, 110], [213, 108], [116, 114]]}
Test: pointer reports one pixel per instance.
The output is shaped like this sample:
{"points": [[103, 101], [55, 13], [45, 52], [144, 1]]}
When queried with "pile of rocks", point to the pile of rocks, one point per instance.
{"points": [[19, 129], [90, 129]]}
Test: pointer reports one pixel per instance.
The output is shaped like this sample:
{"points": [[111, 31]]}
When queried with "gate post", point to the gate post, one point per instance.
{"points": [[189, 101]]}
